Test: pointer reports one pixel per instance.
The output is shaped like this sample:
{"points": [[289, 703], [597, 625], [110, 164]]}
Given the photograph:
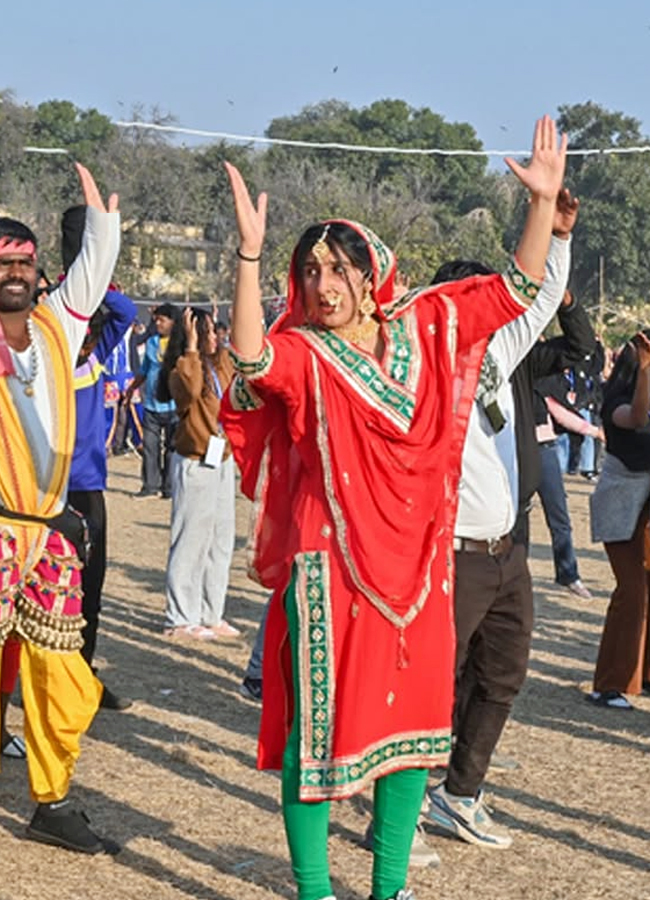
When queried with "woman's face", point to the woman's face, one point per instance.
{"points": [[332, 289]]}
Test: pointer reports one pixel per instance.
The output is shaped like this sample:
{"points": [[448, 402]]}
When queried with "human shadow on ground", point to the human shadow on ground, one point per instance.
{"points": [[568, 835], [565, 709], [126, 824]]}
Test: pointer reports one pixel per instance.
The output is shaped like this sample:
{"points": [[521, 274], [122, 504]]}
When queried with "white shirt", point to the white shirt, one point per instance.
{"points": [[488, 489], [81, 291]]}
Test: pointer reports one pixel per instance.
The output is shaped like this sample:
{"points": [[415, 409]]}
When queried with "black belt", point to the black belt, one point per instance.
{"points": [[491, 547]]}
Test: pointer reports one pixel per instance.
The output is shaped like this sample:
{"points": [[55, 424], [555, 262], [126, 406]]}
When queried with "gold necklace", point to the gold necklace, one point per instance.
{"points": [[360, 332], [28, 381]]}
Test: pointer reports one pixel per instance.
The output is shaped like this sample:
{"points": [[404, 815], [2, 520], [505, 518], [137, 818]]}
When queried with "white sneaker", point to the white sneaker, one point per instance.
{"points": [[578, 588], [422, 855], [467, 818]]}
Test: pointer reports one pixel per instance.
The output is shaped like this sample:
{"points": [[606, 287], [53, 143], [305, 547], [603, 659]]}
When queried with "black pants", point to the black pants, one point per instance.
{"points": [[93, 506], [494, 622], [157, 433]]}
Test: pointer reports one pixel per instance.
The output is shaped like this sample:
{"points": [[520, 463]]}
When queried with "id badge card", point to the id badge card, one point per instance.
{"points": [[214, 453]]}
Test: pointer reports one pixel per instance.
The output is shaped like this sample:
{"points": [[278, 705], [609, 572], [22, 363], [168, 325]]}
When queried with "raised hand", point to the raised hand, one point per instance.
{"points": [[566, 213], [91, 192], [544, 174], [642, 345], [190, 329], [251, 218]]}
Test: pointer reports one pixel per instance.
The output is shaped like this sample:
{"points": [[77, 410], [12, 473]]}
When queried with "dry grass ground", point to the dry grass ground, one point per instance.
{"points": [[174, 779]]}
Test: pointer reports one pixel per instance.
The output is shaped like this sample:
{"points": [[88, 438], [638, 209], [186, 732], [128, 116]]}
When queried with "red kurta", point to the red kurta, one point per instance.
{"points": [[354, 464]]}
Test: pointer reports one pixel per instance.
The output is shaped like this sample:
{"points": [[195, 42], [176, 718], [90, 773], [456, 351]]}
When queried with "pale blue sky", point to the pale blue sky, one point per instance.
{"points": [[233, 66]]}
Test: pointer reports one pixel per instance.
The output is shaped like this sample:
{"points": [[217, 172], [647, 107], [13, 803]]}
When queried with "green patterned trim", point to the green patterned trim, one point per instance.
{"points": [[242, 396], [317, 679], [341, 778], [253, 368], [525, 289], [403, 357], [403, 302], [365, 375]]}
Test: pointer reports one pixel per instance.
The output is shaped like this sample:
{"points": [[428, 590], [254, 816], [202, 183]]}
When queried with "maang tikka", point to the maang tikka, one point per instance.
{"points": [[320, 249]]}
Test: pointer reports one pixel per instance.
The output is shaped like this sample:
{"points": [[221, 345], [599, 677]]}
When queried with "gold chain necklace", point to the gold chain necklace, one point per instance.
{"points": [[27, 381]]}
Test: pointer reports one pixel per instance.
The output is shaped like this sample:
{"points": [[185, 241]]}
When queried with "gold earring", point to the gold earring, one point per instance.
{"points": [[367, 305]]}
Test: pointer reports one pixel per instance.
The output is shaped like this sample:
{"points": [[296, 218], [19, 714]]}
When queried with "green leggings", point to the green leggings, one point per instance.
{"points": [[397, 801]]}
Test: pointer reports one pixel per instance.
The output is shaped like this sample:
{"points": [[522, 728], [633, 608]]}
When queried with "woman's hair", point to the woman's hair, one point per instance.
{"points": [[622, 380], [339, 237], [177, 346]]}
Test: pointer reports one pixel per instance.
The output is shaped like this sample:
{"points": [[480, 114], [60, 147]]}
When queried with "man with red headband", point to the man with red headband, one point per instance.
{"points": [[40, 571]]}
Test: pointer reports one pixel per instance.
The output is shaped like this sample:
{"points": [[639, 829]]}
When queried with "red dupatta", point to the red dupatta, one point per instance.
{"points": [[390, 469]]}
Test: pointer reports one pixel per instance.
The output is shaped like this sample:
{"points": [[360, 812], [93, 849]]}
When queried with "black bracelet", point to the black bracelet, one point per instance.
{"points": [[248, 258]]}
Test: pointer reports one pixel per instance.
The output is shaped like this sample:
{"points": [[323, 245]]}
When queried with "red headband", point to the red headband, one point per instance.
{"points": [[10, 246]]}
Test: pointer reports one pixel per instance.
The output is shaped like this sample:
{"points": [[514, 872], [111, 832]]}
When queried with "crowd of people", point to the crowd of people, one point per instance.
{"points": [[393, 440]]}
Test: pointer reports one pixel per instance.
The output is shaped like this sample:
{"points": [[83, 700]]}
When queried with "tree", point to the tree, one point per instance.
{"points": [[614, 221]]}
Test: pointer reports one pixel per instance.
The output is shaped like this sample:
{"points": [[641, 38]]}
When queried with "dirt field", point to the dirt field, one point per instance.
{"points": [[173, 779]]}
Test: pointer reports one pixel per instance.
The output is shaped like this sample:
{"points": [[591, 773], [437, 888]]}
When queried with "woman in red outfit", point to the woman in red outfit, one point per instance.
{"points": [[348, 423]]}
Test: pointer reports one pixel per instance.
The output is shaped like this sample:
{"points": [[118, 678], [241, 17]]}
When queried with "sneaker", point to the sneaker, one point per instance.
{"points": [[422, 855], [251, 688], [112, 701], [64, 826], [467, 818], [610, 699], [578, 588], [14, 748]]}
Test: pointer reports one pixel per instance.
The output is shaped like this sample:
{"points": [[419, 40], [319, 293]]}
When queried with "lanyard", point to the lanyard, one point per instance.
{"points": [[217, 386]]}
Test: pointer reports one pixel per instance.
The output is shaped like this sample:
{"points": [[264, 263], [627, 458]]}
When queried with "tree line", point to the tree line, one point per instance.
{"points": [[428, 208]]}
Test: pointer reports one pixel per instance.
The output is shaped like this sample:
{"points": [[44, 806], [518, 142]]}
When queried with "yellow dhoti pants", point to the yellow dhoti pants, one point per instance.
{"points": [[60, 697]]}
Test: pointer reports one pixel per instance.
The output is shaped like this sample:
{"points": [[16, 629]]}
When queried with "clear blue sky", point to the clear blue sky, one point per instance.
{"points": [[234, 66]]}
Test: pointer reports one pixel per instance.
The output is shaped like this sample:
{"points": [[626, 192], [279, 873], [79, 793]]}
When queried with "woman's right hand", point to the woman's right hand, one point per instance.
{"points": [[642, 345], [189, 326], [251, 218]]}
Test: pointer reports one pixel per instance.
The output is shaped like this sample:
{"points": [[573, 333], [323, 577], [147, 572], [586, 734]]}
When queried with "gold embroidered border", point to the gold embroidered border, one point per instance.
{"points": [[254, 368], [403, 357], [340, 526], [242, 396], [348, 775], [396, 403], [522, 287], [316, 659]]}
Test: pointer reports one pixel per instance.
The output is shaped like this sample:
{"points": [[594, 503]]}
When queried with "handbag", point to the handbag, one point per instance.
{"points": [[72, 524]]}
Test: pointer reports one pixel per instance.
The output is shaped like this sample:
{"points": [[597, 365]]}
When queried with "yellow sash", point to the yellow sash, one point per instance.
{"points": [[18, 480]]}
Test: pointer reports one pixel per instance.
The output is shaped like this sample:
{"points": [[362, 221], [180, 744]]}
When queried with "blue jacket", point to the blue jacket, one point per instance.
{"points": [[88, 470]]}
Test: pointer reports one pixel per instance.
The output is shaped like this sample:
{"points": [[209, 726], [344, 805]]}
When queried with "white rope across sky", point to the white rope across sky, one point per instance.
{"points": [[335, 145], [360, 148]]}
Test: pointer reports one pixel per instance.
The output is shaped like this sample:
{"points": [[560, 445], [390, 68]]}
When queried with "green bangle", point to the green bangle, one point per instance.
{"points": [[248, 258]]}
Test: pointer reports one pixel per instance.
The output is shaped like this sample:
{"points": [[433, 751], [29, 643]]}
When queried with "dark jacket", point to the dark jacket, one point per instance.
{"points": [[545, 358]]}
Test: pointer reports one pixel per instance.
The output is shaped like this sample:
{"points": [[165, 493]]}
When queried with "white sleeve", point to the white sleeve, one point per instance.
{"points": [[512, 342], [83, 288]]}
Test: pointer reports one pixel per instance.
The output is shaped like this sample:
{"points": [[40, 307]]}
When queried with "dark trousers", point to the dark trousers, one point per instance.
{"points": [[556, 512], [93, 507], [157, 434], [494, 622], [624, 655]]}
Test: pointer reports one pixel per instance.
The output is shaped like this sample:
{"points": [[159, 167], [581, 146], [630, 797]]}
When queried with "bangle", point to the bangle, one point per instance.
{"points": [[248, 258]]}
